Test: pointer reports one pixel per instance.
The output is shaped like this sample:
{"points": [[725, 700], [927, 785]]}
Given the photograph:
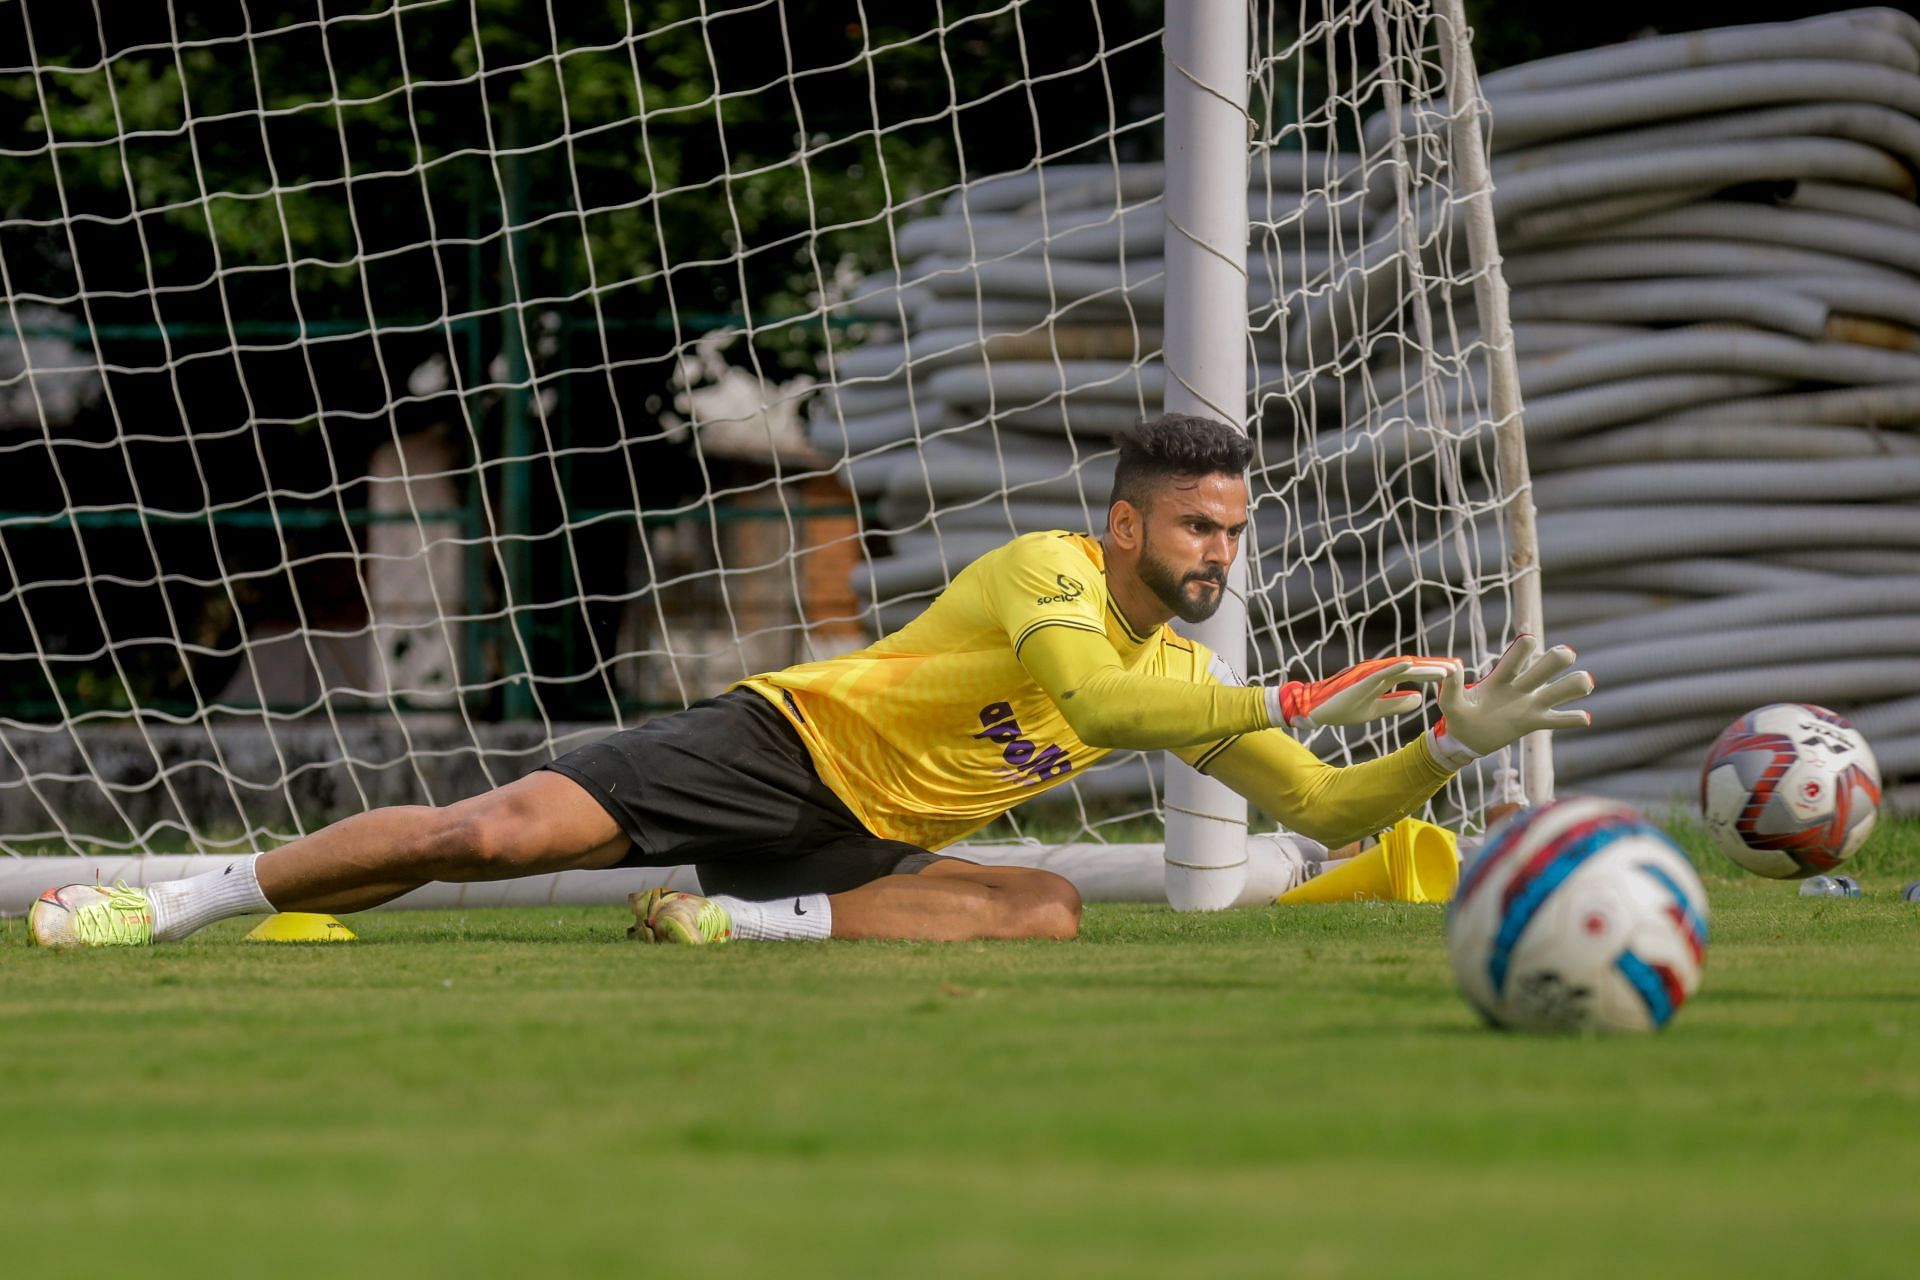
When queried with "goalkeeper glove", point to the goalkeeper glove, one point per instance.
{"points": [[1356, 695], [1520, 695]]}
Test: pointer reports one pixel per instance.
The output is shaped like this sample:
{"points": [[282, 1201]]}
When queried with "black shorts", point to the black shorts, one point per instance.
{"points": [[729, 787]]}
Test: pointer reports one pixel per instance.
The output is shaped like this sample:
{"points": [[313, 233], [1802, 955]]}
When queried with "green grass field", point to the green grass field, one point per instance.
{"points": [[1285, 1092]]}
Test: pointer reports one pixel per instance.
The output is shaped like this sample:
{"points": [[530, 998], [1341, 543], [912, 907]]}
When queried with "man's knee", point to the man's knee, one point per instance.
{"points": [[485, 842], [484, 838], [1049, 905], [541, 823]]}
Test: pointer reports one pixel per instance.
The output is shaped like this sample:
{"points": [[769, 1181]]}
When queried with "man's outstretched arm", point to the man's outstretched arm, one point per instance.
{"points": [[1109, 706], [1328, 803], [1524, 693]]}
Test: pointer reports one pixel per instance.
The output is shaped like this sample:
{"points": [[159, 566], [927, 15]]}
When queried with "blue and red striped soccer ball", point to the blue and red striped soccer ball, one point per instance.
{"points": [[1578, 915]]}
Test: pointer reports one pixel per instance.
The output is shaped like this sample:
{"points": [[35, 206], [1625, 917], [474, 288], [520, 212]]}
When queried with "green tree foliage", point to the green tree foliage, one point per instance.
{"points": [[717, 160], [262, 218]]}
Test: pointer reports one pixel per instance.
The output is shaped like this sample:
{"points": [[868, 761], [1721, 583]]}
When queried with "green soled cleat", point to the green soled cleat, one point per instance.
{"points": [[667, 915], [88, 915]]}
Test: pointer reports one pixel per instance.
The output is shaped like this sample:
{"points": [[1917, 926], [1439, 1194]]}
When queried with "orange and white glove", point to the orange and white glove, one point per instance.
{"points": [[1522, 694], [1358, 694]]}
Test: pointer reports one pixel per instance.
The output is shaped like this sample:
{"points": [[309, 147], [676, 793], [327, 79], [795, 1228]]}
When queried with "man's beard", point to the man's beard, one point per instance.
{"points": [[1173, 590]]}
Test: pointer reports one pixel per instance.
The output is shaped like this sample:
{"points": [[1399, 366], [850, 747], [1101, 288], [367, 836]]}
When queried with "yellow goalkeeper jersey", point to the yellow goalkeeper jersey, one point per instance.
{"points": [[936, 730], [941, 727]]}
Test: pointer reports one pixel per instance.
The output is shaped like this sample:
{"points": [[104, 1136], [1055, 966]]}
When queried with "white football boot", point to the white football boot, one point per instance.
{"points": [[91, 915]]}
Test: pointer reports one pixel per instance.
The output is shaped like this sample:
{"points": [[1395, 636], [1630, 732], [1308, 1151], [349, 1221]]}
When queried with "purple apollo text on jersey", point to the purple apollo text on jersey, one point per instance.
{"points": [[1021, 754]]}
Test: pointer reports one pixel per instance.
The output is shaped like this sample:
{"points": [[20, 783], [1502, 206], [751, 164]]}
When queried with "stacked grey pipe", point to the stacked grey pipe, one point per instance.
{"points": [[1714, 256]]}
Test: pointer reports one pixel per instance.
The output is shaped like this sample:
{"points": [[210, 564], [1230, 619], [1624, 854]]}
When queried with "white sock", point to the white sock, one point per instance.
{"points": [[182, 906], [807, 916]]}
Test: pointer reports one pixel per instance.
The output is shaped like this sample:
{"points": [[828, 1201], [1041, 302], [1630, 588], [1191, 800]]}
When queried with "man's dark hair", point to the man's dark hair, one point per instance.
{"points": [[1175, 446]]}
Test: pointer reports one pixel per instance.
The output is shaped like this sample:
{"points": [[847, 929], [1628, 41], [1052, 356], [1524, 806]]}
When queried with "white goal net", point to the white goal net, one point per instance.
{"points": [[392, 400]]}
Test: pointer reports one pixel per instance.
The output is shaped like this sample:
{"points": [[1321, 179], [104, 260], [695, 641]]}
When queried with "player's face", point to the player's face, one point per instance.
{"points": [[1193, 531]]}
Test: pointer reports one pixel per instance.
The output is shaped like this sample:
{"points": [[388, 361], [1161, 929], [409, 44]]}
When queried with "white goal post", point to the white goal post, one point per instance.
{"points": [[392, 401], [1434, 141]]}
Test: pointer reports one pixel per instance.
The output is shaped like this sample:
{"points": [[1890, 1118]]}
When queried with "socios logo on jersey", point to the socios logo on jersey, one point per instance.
{"points": [[1019, 751], [1069, 591]]}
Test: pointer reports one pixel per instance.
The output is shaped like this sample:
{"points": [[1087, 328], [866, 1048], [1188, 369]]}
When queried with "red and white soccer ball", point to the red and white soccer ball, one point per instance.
{"points": [[1578, 915], [1790, 790]]}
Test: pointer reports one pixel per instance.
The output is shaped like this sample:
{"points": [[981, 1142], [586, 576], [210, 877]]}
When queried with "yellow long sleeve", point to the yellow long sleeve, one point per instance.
{"points": [[1224, 731], [1111, 707], [1326, 802]]}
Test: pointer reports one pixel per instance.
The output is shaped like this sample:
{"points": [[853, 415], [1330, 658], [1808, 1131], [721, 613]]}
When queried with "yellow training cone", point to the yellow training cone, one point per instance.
{"points": [[1423, 860], [300, 926], [1415, 861]]}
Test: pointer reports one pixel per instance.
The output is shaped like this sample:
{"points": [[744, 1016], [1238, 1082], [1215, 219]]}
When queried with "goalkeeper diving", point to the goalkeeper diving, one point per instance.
{"points": [[815, 802]]}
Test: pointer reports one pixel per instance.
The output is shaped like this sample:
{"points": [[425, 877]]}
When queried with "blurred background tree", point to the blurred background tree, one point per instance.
{"points": [[290, 234]]}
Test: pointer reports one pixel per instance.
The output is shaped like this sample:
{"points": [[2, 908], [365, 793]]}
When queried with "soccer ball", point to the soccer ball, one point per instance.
{"points": [[1578, 915], [1790, 790]]}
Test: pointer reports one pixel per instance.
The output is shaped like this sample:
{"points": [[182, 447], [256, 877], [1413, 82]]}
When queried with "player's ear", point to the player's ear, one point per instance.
{"points": [[1126, 524]]}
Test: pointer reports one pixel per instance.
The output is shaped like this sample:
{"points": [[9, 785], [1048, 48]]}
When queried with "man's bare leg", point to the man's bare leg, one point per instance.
{"points": [[954, 901], [949, 901], [541, 823]]}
